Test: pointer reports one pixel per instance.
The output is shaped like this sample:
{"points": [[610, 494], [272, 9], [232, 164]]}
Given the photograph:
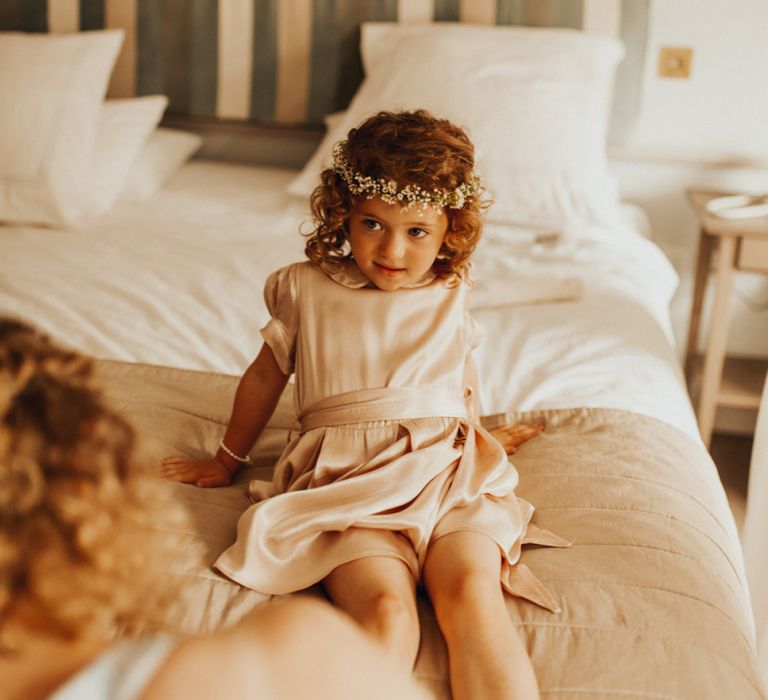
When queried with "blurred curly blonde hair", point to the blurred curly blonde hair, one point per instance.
{"points": [[409, 147], [76, 512]]}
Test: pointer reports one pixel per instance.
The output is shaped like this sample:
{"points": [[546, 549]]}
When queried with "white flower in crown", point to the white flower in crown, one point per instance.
{"points": [[387, 191]]}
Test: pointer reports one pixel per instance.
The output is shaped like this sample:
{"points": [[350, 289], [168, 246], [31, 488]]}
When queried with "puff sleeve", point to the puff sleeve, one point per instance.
{"points": [[281, 299]]}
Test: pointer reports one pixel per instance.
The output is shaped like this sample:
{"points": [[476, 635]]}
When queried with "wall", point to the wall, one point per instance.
{"points": [[721, 111], [710, 130]]}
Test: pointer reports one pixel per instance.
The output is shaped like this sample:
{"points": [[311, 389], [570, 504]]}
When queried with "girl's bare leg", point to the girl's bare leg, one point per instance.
{"points": [[380, 594], [486, 656]]}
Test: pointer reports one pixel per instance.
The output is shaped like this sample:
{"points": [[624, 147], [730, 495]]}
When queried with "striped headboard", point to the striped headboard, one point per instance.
{"points": [[294, 61]]}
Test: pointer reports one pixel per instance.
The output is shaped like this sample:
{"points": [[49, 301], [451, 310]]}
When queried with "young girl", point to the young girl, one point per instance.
{"points": [[391, 480]]}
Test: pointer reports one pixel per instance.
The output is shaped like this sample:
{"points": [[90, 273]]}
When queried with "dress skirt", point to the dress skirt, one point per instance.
{"points": [[382, 488]]}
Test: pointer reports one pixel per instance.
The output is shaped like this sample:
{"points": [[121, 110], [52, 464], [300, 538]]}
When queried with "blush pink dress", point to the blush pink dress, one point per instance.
{"points": [[387, 459]]}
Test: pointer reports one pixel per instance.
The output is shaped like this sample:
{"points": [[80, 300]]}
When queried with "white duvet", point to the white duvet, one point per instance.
{"points": [[177, 280]]}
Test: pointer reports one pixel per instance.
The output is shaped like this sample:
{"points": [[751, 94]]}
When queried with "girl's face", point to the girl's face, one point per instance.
{"points": [[395, 248]]}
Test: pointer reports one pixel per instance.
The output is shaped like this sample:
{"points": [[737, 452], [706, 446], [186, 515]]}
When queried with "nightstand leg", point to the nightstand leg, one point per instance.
{"points": [[714, 357], [699, 287]]}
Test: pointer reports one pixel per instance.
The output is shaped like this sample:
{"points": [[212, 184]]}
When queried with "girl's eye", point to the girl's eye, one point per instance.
{"points": [[417, 233], [371, 224]]}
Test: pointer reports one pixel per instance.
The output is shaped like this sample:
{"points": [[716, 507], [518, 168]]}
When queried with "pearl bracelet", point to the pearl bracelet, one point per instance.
{"points": [[237, 458]]}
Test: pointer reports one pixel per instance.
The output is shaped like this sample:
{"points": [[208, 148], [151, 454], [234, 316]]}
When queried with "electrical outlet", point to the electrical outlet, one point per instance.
{"points": [[675, 61]]}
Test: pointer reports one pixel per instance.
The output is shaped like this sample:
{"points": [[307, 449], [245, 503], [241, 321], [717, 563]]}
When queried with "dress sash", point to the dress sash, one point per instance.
{"points": [[385, 403]]}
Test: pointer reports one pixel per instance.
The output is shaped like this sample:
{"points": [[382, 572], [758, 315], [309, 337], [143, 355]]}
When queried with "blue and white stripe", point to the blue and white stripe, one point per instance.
{"points": [[294, 61]]}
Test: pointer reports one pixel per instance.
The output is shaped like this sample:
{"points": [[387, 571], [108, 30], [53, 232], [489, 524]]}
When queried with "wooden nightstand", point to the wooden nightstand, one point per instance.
{"points": [[739, 244]]}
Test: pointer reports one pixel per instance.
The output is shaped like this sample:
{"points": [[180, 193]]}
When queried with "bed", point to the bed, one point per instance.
{"points": [[165, 290]]}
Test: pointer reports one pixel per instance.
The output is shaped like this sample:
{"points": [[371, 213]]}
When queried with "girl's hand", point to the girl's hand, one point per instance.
{"points": [[203, 472], [514, 434]]}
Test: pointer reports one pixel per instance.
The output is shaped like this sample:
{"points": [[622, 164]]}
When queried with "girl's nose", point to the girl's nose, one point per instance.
{"points": [[391, 245]]}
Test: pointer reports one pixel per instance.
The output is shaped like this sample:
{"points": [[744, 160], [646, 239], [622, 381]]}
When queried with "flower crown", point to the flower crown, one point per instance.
{"points": [[357, 183]]}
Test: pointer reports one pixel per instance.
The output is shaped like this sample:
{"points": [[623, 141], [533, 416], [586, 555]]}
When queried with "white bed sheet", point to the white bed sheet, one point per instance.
{"points": [[177, 281]]}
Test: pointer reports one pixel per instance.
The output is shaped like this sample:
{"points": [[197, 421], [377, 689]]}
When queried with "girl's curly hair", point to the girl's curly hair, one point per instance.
{"points": [[414, 148], [76, 512]]}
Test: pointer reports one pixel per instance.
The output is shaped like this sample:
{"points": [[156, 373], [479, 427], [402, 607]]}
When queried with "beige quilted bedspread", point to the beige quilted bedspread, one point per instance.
{"points": [[652, 588]]}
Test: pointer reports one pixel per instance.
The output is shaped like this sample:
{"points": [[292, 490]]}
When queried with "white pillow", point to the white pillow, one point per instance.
{"points": [[165, 151], [51, 92], [534, 101], [124, 129]]}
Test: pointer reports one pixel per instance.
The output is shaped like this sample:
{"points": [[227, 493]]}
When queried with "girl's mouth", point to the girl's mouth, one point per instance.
{"points": [[387, 270]]}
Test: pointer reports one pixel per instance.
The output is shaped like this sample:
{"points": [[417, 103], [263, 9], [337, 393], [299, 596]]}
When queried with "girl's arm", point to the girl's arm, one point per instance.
{"points": [[510, 435], [256, 397], [261, 651]]}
